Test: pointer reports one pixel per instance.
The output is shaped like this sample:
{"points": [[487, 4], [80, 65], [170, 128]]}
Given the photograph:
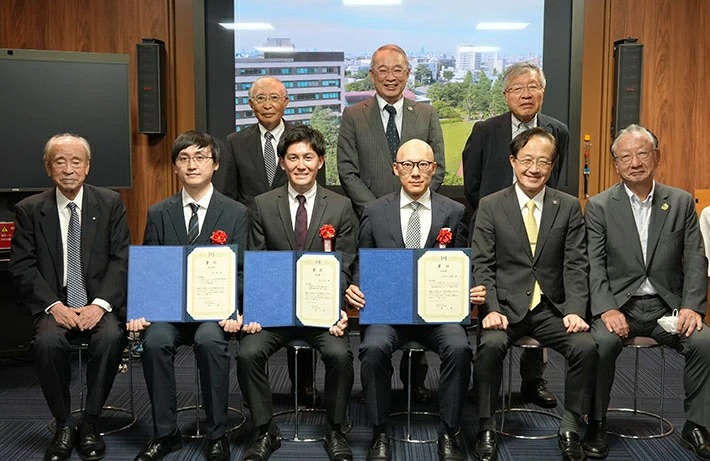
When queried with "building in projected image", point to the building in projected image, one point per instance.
{"points": [[312, 78]]}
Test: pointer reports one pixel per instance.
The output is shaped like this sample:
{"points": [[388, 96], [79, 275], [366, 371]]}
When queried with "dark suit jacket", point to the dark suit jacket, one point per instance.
{"points": [[486, 168], [503, 262], [272, 228], [677, 266], [364, 160], [166, 224], [242, 174], [381, 225], [37, 261]]}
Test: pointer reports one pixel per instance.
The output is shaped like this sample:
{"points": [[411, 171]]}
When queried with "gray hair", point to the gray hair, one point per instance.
{"points": [[520, 68], [634, 129], [54, 139]]}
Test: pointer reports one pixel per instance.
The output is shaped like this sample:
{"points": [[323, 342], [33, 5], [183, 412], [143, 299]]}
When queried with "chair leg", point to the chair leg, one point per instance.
{"points": [[295, 394], [409, 396]]}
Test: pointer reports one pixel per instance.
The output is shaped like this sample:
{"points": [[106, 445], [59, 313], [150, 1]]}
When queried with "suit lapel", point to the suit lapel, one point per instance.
{"points": [[550, 208], [214, 211], [409, 121], [439, 211], [177, 218], [504, 133], [319, 206], [623, 215], [89, 222], [285, 216], [49, 226], [378, 131], [659, 213], [257, 155], [512, 211], [394, 220]]}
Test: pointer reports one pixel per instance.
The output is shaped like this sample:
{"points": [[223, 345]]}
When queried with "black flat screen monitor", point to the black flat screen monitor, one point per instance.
{"points": [[43, 93]]}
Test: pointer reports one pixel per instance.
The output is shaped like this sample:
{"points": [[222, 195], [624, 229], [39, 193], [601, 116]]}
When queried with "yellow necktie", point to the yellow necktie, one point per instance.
{"points": [[531, 229]]}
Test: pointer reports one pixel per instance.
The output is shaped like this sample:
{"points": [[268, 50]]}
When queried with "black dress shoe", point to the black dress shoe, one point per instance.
{"points": [[535, 391], [263, 446], [595, 442], [486, 448], [696, 439], [337, 446], [448, 449], [90, 445], [421, 394], [62, 442], [157, 448], [380, 448], [570, 447], [218, 449]]}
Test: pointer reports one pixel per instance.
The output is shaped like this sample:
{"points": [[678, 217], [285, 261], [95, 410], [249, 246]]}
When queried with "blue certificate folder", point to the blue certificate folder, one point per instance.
{"points": [[270, 287], [388, 279], [157, 283]]}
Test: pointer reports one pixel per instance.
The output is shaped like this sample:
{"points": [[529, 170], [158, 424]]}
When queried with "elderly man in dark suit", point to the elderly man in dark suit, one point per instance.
{"points": [[384, 224], [69, 260], [536, 278], [646, 260], [370, 134], [249, 168], [189, 218], [487, 170], [289, 218]]}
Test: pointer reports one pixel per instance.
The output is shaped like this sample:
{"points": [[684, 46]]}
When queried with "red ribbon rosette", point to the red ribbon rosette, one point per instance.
{"points": [[327, 232], [218, 237], [444, 237]]}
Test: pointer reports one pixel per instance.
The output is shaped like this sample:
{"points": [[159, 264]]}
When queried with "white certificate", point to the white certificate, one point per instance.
{"points": [[211, 282], [318, 290], [443, 281]]}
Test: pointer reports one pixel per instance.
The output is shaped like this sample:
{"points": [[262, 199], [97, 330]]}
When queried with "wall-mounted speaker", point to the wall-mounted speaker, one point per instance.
{"points": [[150, 55], [628, 60]]}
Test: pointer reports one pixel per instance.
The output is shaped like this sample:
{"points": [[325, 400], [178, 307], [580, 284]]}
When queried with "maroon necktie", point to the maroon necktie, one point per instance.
{"points": [[301, 228]]}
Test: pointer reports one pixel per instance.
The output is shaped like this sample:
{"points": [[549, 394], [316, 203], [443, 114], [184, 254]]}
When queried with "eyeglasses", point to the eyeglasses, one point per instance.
{"points": [[397, 71], [407, 165], [272, 98], [517, 90], [541, 163], [199, 159], [626, 158]]}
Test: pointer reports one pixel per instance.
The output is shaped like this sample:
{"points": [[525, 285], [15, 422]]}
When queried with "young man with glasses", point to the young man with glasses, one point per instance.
{"points": [[529, 253], [189, 218], [412, 217], [486, 170]]}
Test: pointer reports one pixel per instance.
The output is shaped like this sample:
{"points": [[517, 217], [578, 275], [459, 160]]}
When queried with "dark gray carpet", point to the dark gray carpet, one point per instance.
{"points": [[24, 415]]}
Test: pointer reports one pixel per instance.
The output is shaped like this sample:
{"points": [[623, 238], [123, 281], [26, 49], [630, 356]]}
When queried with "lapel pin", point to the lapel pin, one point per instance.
{"points": [[409, 108], [665, 206], [554, 202], [93, 218]]}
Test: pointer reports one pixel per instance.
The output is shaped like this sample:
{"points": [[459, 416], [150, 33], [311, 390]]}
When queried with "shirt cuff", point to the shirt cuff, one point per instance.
{"points": [[105, 305], [46, 310]]}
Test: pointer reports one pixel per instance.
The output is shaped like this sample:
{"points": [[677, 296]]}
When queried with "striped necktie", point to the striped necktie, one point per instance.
{"points": [[193, 228], [76, 288]]}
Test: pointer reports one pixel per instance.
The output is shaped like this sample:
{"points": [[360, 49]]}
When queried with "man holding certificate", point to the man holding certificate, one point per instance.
{"points": [[536, 277], [412, 217], [197, 215], [293, 217]]}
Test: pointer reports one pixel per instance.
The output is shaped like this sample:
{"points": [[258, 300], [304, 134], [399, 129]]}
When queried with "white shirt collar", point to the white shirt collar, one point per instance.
{"points": [[276, 132], [203, 202], [424, 200], [310, 194], [633, 196], [63, 201], [397, 105], [523, 199], [516, 122]]}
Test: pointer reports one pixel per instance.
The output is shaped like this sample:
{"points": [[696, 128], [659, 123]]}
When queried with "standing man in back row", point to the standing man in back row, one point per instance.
{"points": [[370, 135], [486, 169]]}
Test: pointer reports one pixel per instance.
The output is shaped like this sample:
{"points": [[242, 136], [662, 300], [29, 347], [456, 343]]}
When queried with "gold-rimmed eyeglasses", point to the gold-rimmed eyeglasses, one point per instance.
{"points": [[541, 163], [272, 98]]}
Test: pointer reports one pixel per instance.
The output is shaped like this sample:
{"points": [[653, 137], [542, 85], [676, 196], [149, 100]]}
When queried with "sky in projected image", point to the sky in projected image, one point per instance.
{"points": [[419, 26]]}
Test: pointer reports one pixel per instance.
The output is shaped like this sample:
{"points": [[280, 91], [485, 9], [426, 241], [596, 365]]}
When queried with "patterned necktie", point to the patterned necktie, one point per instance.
{"points": [[193, 228], [301, 228], [531, 229], [76, 289], [269, 158], [413, 239], [391, 132]]}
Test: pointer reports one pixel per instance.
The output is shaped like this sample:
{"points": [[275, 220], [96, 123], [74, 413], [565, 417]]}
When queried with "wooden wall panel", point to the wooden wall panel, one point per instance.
{"points": [[116, 26], [675, 35]]}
